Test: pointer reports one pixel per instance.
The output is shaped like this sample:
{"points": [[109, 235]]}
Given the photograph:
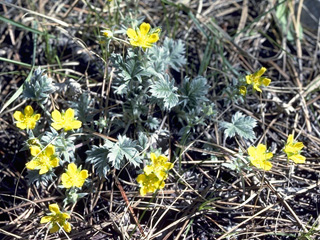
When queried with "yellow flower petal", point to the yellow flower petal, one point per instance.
{"points": [[243, 90], [256, 87], [266, 81], [32, 165], [54, 228], [54, 208], [76, 124], [84, 174], [168, 165], [49, 150], [148, 169], [144, 28], [28, 111], [266, 166], [131, 33], [54, 162], [56, 115], [69, 114], [18, 116], [153, 38], [290, 139], [72, 168], [261, 148], [67, 227], [153, 157], [56, 126], [143, 191], [260, 72], [141, 178], [65, 215], [298, 158], [66, 180], [21, 125], [46, 219], [298, 146], [43, 170], [36, 117]]}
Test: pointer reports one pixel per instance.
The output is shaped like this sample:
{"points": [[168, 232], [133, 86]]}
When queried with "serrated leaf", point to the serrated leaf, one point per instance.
{"points": [[34, 177], [193, 92], [129, 68], [176, 53], [171, 53], [241, 125], [39, 87], [124, 148], [152, 123], [98, 156], [164, 89], [83, 108]]}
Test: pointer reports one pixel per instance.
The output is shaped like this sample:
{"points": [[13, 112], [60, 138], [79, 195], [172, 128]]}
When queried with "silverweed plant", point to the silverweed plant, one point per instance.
{"points": [[149, 134]]}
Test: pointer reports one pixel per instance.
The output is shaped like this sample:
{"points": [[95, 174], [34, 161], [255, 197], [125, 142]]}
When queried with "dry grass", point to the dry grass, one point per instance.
{"points": [[205, 200]]}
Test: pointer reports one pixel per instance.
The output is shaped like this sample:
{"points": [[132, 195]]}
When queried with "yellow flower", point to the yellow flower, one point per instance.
{"points": [[44, 159], [57, 219], [26, 120], [293, 150], [65, 120], [243, 90], [74, 177], [159, 166], [259, 157], [149, 183], [256, 80], [142, 36], [107, 33]]}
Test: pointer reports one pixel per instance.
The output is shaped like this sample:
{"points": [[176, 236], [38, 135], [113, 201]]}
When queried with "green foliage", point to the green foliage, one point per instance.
{"points": [[98, 156], [129, 69], [152, 123], [34, 177], [193, 92], [113, 155], [39, 87], [101, 124], [72, 196], [82, 106], [241, 125], [125, 148], [64, 144], [164, 88], [171, 53]]}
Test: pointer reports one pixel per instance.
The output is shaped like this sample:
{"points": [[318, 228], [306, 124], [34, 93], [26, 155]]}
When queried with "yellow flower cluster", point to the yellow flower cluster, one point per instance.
{"points": [[256, 80], [28, 119], [57, 219], [43, 159], [143, 36], [74, 176], [154, 175], [65, 120], [293, 149], [259, 156]]}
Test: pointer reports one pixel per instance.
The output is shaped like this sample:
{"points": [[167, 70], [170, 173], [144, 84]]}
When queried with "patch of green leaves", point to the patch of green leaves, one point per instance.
{"points": [[39, 87], [241, 125], [171, 53], [193, 92], [130, 68], [164, 89], [114, 155]]}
